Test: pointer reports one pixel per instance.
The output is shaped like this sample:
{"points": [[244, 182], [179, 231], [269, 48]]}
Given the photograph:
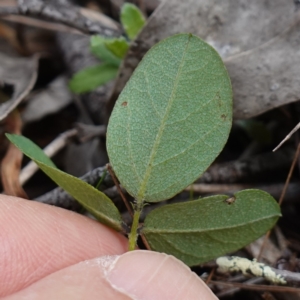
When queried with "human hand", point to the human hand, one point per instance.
{"points": [[51, 253]]}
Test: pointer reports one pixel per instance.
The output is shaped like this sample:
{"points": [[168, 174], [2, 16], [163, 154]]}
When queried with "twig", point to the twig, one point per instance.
{"points": [[210, 276], [287, 137], [87, 132], [289, 175], [250, 168], [84, 133], [232, 290], [55, 146], [282, 196], [112, 174], [65, 14], [271, 288], [204, 188], [275, 189], [39, 23], [248, 267], [147, 246]]}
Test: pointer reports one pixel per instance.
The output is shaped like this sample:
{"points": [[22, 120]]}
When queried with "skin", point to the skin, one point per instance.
{"points": [[51, 253]]}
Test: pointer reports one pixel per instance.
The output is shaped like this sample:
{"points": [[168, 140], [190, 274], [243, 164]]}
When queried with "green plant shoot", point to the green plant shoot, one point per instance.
{"points": [[110, 51], [168, 125]]}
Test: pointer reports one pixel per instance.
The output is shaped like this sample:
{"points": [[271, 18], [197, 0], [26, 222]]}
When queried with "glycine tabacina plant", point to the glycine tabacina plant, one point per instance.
{"points": [[110, 51], [168, 125]]}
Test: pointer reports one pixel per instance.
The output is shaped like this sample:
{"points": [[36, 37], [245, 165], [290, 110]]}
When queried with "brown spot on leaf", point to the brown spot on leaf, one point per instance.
{"points": [[223, 117], [219, 99], [124, 103], [230, 200]]}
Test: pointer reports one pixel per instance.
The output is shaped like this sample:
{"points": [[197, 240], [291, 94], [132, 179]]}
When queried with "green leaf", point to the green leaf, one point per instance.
{"points": [[90, 78], [201, 230], [32, 150], [132, 20], [98, 46], [171, 120], [94, 201], [117, 46]]}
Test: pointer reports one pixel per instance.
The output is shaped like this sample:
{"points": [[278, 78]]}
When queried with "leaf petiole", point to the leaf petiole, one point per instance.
{"points": [[133, 235]]}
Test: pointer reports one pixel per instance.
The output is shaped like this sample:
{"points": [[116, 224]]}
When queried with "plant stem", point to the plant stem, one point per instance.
{"points": [[133, 235]]}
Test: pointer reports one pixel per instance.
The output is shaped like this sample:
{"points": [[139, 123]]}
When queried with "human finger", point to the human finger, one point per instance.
{"points": [[139, 275], [38, 239]]}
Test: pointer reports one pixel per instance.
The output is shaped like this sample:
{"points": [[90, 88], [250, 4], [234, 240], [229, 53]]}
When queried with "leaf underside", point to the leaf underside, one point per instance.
{"points": [[200, 230], [94, 201], [171, 120]]}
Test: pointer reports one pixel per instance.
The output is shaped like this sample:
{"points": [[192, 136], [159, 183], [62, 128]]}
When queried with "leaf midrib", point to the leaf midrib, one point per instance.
{"points": [[150, 230], [142, 190]]}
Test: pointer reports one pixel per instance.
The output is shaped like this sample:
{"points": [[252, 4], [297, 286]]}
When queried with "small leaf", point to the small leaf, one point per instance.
{"points": [[118, 46], [98, 46], [94, 201], [132, 20], [201, 230], [171, 120], [32, 150], [90, 78]]}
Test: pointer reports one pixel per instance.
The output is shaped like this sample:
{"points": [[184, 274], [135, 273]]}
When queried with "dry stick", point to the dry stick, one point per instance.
{"points": [[281, 197], [247, 267], [82, 131], [145, 242], [216, 188], [40, 24], [292, 193], [288, 136], [243, 169], [210, 276], [68, 15], [271, 288], [113, 176], [231, 290], [56, 145]]}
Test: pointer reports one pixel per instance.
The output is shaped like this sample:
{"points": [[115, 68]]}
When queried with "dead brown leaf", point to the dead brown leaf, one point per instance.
{"points": [[22, 74], [47, 101], [11, 163], [261, 76]]}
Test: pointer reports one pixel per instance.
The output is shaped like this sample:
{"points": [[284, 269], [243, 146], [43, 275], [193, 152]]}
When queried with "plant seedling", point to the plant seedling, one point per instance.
{"points": [[169, 124], [110, 51]]}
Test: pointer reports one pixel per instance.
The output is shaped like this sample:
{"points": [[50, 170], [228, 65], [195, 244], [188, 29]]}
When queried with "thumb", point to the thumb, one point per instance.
{"points": [[146, 275], [138, 275]]}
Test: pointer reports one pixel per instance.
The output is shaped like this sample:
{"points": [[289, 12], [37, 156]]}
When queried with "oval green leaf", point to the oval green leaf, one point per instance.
{"points": [[201, 230], [171, 120], [132, 20], [94, 201]]}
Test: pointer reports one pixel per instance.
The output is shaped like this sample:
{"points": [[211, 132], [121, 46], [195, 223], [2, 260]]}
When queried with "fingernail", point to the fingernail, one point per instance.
{"points": [[147, 275]]}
